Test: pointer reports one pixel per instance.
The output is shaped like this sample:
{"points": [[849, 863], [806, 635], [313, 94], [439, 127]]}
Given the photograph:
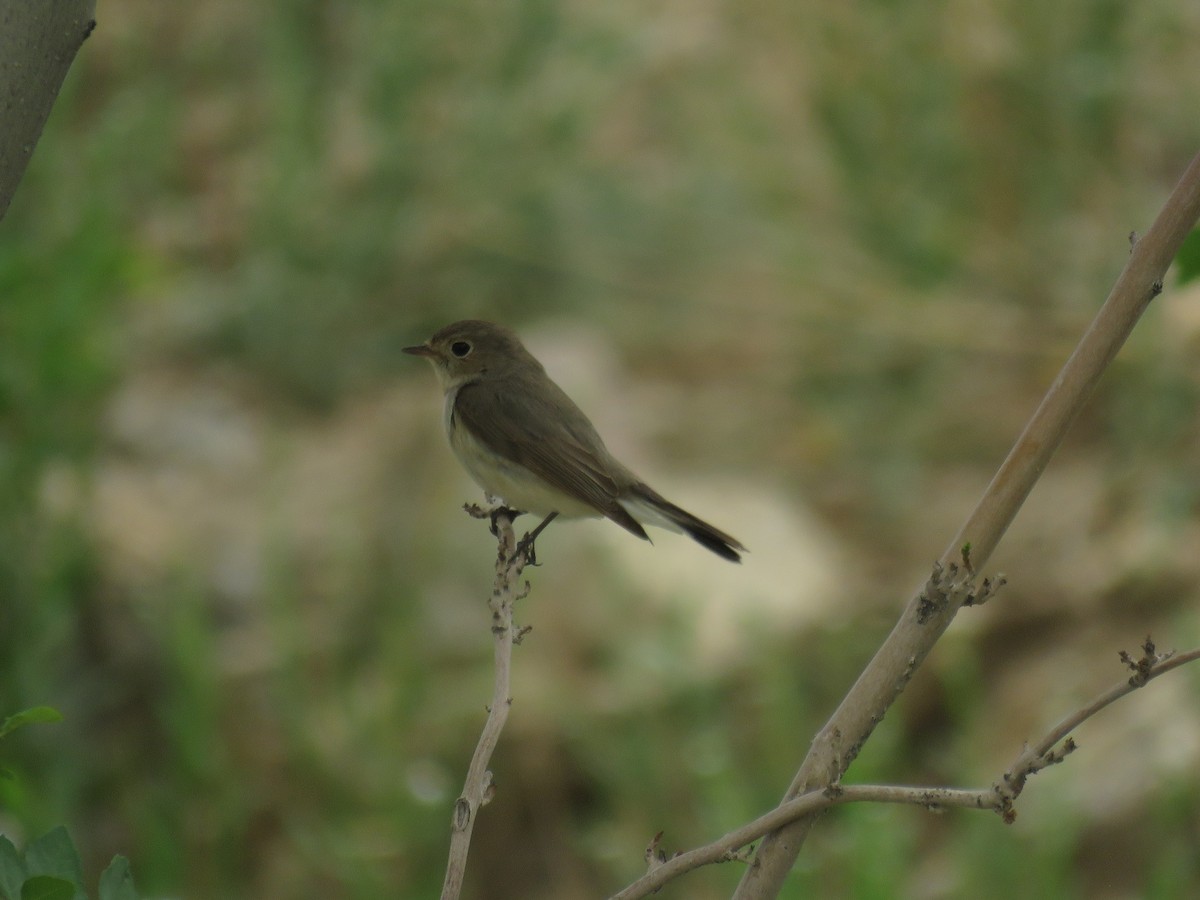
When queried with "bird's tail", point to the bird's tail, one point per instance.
{"points": [[648, 506]]}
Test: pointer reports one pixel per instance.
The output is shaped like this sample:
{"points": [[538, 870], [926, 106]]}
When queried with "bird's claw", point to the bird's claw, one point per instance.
{"points": [[528, 549]]}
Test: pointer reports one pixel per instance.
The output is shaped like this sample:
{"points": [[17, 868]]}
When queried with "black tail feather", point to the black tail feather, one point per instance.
{"points": [[716, 540]]}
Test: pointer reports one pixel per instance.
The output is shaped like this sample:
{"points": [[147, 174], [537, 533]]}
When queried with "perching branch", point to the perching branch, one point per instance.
{"points": [[478, 788], [1052, 748], [839, 742]]}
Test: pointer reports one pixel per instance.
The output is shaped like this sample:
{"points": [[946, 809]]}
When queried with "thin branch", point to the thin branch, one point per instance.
{"points": [[1047, 751], [478, 788], [881, 682], [727, 847], [1052, 748], [1149, 666]]}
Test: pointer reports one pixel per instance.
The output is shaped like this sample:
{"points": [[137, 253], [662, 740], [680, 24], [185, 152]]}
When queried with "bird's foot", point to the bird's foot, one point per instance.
{"points": [[528, 549], [525, 546]]}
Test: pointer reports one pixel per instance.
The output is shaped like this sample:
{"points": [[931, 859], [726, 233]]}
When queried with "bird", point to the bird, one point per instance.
{"points": [[525, 442]]}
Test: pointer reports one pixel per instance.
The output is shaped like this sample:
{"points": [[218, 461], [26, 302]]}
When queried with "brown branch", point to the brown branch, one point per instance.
{"points": [[839, 742], [478, 788], [727, 847], [1048, 751], [1052, 748]]}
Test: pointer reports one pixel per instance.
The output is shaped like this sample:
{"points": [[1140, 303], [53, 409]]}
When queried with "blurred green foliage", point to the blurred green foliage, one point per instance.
{"points": [[49, 867], [857, 241], [1188, 262]]}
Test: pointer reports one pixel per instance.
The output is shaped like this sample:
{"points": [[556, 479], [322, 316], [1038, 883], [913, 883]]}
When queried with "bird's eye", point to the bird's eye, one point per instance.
{"points": [[460, 348]]}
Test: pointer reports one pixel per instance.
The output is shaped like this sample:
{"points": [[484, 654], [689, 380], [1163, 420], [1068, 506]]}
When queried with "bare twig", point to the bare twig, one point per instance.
{"points": [[864, 706], [726, 848], [1052, 748], [478, 788], [1056, 744]]}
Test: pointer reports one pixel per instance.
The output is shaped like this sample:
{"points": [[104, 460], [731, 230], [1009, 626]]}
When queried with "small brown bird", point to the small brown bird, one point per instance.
{"points": [[523, 440]]}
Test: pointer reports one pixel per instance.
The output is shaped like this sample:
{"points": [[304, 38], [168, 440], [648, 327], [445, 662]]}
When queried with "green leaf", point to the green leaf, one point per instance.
{"points": [[54, 854], [117, 881], [12, 870], [28, 717], [47, 887], [1187, 263]]}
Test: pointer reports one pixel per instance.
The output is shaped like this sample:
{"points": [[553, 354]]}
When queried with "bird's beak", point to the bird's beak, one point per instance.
{"points": [[420, 350]]}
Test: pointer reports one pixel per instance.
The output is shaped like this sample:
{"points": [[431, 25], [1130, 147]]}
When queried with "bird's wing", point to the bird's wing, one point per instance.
{"points": [[553, 440]]}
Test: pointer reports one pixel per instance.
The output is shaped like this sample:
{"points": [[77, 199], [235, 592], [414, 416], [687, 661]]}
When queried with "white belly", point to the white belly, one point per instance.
{"points": [[501, 478]]}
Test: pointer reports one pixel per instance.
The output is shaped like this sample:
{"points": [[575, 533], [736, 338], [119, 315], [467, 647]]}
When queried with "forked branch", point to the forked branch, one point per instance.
{"points": [[881, 682], [1051, 748]]}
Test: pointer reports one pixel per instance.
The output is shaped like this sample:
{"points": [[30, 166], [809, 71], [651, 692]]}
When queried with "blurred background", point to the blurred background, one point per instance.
{"points": [[809, 267]]}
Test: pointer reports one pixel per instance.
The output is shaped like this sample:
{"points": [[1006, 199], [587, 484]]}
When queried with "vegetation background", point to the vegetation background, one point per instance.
{"points": [[809, 267]]}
